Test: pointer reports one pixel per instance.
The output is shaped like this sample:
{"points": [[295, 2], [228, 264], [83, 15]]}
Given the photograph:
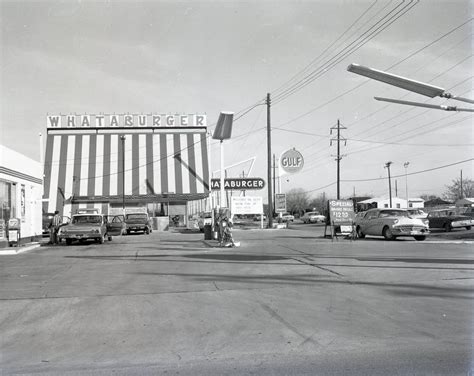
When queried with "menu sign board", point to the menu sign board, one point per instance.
{"points": [[341, 212]]}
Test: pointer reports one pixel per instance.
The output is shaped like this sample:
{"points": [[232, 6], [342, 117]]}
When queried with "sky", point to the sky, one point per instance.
{"points": [[212, 56]]}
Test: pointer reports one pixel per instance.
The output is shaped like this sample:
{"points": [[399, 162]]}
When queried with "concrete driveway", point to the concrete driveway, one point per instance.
{"points": [[287, 302]]}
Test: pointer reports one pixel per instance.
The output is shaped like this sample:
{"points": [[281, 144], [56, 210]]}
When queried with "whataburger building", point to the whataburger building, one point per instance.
{"points": [[165, 160]]}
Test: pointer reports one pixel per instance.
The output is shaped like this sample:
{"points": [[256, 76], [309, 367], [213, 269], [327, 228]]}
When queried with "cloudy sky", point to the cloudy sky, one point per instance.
{"points": [[206, 57]]}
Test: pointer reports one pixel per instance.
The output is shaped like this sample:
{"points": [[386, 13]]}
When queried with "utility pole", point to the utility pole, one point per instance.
{"points": [[387, 165], [396, 188], [339, 156], [462, 193], [269, 164], [274, 185]]}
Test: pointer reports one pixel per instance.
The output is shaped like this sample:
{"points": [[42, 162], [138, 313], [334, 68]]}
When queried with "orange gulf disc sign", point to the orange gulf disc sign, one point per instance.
{"points": [[291, 161]]}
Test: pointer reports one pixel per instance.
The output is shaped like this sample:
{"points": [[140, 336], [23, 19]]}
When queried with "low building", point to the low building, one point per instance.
{"points": [[21, 188], [465, 202], [381, 202]]}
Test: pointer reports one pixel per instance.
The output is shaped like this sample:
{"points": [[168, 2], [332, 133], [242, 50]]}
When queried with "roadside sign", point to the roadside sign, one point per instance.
{"points": [[280, 203], [246, 205], [238, 183], [291, 161], [341, 212]]}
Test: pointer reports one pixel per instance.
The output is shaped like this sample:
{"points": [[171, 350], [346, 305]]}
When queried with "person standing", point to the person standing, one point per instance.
{"points": [[54, 227]]}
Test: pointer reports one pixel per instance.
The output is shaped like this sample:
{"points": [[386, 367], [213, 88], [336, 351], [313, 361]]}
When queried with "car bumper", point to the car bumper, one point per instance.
{"points": [[409, 231], [457, 224], [79, 236]]}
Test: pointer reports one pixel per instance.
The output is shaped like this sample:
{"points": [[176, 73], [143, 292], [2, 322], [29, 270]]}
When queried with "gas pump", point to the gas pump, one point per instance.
{"points": [[14, 232]]}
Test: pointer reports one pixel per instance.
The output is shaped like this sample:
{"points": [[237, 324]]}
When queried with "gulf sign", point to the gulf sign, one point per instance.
{"points": [[291, 161]]}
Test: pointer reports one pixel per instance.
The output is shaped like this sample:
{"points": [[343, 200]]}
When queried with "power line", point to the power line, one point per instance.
{"points": [[331, 64]]}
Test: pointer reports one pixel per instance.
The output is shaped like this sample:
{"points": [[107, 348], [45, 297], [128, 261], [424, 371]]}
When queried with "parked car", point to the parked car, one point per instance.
{"points": [[287, 217], [259, 217], [417, 213], [313, 217], [358, 217], [448, 219], [117, 223], [467, 211], [86, 227], [391, 223], [137, 222], [204, 219]]}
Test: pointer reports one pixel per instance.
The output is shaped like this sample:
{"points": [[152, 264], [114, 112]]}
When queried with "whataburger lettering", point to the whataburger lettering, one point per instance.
{"points": [[126, 120], [243, 183]]}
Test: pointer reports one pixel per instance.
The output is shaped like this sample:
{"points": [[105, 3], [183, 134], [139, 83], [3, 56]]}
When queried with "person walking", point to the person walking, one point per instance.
{"points": [[54, 227]]}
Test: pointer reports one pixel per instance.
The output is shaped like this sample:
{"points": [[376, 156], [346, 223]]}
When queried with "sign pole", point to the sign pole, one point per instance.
{"points": [[222, 175]]}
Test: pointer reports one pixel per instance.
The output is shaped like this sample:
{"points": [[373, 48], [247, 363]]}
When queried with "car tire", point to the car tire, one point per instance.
{"points": [[147, 231], [109, 238], [447, 227], [68, 241], [128, 232], [387, 233], [360, 234], [420, 237], [468, 227]]}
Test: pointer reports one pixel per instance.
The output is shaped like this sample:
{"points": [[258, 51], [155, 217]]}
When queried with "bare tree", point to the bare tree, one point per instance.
{"points": [[297, 200], [454, 192]]}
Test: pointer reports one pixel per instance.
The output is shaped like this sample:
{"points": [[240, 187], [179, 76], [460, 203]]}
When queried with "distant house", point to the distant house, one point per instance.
{"points": [[437, 202], [466, 202], [382, 202]]}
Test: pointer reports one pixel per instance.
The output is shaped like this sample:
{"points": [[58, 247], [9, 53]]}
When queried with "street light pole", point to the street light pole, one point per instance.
{"points": [[406, 181], [122, 137], [387, 165]]}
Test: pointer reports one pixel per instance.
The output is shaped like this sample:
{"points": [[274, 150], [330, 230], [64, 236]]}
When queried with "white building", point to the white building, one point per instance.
{"points": [[21, 189], [397, 202]]}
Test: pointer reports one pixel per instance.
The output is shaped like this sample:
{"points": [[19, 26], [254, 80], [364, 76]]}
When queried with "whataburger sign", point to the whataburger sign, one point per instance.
{"points": [[126, 120], [238, 183]]}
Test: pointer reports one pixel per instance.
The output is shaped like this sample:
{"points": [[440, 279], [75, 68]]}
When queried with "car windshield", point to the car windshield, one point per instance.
{"points": [[136, 216], [86, 219], [393, 213]]}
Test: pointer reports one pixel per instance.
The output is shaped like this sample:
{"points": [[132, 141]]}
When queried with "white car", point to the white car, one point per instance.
{"points": [[417, 213], [391, 223], [313, 217], [287, 217]]}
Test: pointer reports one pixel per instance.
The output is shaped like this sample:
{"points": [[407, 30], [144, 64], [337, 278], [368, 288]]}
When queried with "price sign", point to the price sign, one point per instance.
{"points": [[341, 212]]}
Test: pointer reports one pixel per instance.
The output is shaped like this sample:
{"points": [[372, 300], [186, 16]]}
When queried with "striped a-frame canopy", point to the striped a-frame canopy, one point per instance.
{"points": [[83, 166]]}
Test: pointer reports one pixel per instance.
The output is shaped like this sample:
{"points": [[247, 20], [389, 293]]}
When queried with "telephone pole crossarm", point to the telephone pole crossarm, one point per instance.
{"points": [[339, 156]]}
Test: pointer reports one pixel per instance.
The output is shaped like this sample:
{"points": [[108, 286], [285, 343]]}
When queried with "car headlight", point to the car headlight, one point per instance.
{"points": [[396, 221]]}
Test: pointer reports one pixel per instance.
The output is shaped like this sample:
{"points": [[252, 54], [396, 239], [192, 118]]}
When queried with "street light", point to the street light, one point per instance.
{"points": [[122, 137], [410, 85], [387, 165], [222, 132], [406, 180]]}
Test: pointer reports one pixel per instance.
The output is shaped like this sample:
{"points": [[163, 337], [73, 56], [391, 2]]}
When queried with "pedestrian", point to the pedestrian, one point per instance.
{"points": [[54, 227]]}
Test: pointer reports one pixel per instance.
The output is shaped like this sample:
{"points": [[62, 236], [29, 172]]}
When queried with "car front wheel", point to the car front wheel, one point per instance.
{"points": [[360, 234], [387, 233], [447, 227], [420, 237], [468, 227]]}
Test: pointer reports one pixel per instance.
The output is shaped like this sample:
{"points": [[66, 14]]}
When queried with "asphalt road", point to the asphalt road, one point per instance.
{"points": [[287, 302]]}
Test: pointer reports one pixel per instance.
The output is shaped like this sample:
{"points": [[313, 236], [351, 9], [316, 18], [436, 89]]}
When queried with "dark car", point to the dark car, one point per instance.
{"points": [[137, 222], [448, 219]]}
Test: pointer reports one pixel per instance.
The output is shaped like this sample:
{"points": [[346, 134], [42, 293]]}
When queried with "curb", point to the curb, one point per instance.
{"points": [[17, 250]]}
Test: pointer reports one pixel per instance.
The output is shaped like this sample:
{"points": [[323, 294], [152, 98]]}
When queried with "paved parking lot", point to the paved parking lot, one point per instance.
{"points": [[285, 302]]}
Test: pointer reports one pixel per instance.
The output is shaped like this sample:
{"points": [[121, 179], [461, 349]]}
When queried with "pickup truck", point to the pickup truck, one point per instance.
{"points": [[137, 222]]}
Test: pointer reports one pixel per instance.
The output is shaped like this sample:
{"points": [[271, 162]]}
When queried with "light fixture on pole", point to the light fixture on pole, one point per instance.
{"points": [[223, 131], [410, 85], [387, 165], [122, 137], [406, 180]]}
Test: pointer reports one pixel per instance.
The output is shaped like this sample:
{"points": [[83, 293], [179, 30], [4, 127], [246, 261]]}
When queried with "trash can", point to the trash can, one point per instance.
{"points": [[207, 232]]}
